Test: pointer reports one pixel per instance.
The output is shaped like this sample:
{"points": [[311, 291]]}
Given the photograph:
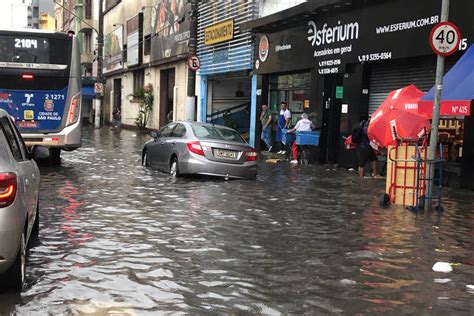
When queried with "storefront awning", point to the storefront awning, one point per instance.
{"points": [[88, 92], [458, 89]]}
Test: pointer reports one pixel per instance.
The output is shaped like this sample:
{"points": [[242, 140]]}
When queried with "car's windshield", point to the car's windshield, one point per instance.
{"points": [[203, 132]]}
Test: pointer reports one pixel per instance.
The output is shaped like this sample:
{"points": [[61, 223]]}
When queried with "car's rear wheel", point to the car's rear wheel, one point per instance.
{"points": [[145, 159], [174, 168], [15, 276]]}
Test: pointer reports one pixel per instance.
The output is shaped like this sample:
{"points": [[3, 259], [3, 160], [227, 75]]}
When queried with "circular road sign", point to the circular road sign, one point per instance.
{"points": [[194, 63], [445, 38]]}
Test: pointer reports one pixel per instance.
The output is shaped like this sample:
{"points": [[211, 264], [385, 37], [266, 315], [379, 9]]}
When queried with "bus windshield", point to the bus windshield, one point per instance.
{"points": [[30, 51]]}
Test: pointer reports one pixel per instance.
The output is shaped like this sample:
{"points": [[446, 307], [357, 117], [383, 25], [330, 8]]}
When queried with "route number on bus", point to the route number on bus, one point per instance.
{"points": [[26, 43]]}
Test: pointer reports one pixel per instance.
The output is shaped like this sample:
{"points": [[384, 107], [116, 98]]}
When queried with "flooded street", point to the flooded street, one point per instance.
{"points": [[118, 238]]}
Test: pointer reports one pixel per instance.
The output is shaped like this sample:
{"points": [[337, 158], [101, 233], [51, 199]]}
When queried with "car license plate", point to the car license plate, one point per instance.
{"points": [[225, 154]]}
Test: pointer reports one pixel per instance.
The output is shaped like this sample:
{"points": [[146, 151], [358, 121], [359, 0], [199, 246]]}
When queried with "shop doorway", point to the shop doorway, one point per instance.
{"points": [[167, 83], [117, 110], [331, 131]]}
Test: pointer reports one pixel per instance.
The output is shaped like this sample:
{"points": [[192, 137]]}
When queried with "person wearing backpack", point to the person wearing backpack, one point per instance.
{"points": [[365, 152]]}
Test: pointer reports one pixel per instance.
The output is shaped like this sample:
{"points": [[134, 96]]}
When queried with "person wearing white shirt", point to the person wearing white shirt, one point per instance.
{"points": [[284, 120], [303, 125]]}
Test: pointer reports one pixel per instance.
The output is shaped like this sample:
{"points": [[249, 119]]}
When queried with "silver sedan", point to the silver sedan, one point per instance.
{"points": [[19, 220], [200, 148]]}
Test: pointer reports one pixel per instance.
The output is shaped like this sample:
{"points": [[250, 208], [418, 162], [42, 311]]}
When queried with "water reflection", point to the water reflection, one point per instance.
{"points": [[117, 238]]}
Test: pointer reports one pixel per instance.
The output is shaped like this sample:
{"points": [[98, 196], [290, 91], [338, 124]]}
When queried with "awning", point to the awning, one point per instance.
{"points": [[88, 92], [458, 89]]}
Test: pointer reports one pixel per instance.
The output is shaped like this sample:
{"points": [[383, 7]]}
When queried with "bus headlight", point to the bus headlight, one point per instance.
{"points": [[74, 107]]}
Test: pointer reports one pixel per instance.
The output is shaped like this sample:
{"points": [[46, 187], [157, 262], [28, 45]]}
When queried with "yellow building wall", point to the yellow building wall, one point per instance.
{"points": [[47, 22]]}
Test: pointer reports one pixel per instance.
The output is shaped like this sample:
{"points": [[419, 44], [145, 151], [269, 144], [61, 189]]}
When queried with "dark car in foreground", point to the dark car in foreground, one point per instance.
{"points": [[19, 189], [200, 149]]}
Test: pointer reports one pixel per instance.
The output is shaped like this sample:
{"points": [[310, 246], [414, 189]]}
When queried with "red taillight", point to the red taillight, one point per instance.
{"points": [[251, 155], [27, 77], [195, 147], [8, 186], [73, 114]]}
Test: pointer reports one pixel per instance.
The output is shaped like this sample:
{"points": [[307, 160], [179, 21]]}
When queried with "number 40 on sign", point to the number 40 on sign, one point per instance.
{"points": [[445, 38]]}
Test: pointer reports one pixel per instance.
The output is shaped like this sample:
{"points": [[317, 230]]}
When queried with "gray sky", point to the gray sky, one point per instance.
{"points": [[47, 6]]}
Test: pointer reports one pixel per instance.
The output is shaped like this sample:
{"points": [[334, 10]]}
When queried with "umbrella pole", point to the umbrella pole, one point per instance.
{"points": [[435, 122]]}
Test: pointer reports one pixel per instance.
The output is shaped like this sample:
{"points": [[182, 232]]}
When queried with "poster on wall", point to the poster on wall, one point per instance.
{"points": [[113, 49], [134, 34], [170, 29]]}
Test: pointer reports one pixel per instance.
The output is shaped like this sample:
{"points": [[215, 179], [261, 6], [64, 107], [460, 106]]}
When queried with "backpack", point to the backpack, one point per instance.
{"points": [[357, 135]]}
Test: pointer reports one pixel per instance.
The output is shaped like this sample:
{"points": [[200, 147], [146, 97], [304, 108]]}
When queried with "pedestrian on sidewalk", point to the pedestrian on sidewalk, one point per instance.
{"points": [[284, 120], [266, 120], [303, 125], [365, 152]]}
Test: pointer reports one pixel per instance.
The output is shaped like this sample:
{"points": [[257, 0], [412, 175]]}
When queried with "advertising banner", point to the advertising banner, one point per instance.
{"points": [[35, 110], [134, 35], [170, 29], [113, 50], [390, 30]]}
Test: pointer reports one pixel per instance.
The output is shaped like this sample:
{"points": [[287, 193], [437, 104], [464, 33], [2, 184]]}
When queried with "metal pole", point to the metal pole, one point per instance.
{"points": [[435, 119], [100, 56], [191, 95]]}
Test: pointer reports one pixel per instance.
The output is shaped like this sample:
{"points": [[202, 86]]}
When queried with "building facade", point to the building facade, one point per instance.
{"points": [[146, 44], [81, 16], [33, 14], [14, 14], [226, 59], [337, 62], [47, 22]]}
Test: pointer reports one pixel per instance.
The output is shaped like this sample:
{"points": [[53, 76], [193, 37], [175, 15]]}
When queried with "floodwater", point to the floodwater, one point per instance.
{"points": [[119, 239]]}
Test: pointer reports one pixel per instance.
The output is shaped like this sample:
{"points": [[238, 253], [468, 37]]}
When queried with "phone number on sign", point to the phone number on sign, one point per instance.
{"points": [[376, 56]]}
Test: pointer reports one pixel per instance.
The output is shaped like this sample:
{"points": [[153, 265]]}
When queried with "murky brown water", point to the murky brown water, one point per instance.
{"points": [[117, 238]]}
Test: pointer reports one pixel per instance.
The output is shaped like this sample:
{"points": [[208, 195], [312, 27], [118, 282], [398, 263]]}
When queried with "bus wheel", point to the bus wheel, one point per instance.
{"points": [[55, 156]]}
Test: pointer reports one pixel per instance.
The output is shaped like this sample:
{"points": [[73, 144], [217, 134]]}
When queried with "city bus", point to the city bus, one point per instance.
{"points": [[40, 87]]}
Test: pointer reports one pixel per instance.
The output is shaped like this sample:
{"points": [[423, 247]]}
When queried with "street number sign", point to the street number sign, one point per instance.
{"points": [[445, 38], [194, 63]]}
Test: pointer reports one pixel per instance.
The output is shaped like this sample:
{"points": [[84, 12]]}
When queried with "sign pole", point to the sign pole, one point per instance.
{"points": [[435, 119], [190, 106]]}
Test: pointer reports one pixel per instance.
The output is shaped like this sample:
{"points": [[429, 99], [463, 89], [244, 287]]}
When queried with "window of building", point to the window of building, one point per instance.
{"points": [[138, 79], [147, 45], [88, 42], [88, 9], [294, 89]]}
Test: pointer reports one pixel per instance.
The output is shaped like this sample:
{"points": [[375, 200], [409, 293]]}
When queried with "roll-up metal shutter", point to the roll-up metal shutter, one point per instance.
{"points": [[395, 74]]}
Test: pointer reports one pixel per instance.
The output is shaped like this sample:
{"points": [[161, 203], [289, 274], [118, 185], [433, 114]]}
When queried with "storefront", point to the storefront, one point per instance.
{"points": [[226, 55], [353, 58]]}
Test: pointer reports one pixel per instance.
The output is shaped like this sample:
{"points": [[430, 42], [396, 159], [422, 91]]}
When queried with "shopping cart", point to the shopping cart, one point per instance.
{"points": [[304, 140]]}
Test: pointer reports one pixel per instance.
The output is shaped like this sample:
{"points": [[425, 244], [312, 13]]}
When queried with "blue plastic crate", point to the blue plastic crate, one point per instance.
{"points": [[287, 138], [307, 138]]}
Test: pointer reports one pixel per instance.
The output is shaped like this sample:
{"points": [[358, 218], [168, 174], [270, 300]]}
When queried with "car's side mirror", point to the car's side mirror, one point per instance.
{"points": [[154, 134], [30, 153]]}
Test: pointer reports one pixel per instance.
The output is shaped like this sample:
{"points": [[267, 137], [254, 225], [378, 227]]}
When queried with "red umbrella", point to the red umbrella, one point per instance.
{"points": [[398, 118]]}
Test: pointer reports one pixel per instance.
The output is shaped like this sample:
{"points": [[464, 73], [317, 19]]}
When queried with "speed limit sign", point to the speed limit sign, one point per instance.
{"points": [[194, 63], [445, 38]]}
